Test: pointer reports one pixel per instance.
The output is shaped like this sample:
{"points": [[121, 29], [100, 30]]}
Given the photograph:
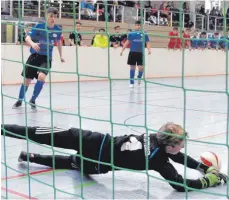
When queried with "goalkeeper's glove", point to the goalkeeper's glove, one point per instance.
{"points": [[210, 180], [223, 176], [204, 169]]}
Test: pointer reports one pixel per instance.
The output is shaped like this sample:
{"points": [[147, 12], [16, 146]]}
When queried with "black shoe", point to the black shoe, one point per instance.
{"points": [[33, 105], [17, 104], [22, 157]]}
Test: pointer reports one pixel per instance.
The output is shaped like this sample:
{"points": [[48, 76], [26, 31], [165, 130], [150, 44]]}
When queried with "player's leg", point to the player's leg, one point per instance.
{"points": [[63, 138], [132, 62], [140, 66], [140, 73], [28, 73], [132, 74], [23, 89], [41, 76], [58, 137], [60, 162], [63, 162], [37, 89]]}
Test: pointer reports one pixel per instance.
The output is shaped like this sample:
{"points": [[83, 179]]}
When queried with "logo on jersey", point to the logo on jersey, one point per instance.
{"points": [[147, 150], [132, 145], [54, 35]]}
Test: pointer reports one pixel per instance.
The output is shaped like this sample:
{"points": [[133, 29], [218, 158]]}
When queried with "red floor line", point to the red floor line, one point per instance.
{"points": [[17, 193], [31, 173]]}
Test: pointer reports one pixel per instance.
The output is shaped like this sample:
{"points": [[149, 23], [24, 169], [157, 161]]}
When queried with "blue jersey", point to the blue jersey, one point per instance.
{"points": [[203, 43], [136, 41], [194, 42], [224, 42], [46, 44], [214, 42]]}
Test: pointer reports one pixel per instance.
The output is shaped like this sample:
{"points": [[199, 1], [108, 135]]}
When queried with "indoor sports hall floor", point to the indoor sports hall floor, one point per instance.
{"points": [[206, 120]]}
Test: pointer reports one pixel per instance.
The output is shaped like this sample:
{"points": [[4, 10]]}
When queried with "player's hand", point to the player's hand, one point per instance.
{"points": [[210, 180], [35, 46], [121, 53], [62, 60], [223, 176], [149, 52]]}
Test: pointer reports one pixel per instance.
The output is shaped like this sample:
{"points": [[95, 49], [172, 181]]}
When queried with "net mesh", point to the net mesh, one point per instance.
{"points": [[128, 19]]}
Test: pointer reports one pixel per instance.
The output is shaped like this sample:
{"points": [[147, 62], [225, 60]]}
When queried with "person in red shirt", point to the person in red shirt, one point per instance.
{"points": [[174, 43], [186, 35]]}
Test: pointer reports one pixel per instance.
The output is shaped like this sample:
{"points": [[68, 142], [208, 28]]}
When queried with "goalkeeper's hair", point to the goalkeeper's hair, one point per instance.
{"points": [[171, 134]]}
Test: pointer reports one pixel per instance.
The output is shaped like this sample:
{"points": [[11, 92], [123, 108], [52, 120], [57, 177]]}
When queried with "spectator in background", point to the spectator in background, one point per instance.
{"points": [[213, 41], [174, 43], [22, 35], [76, 38], [153, 16], [186, 36], [187, 20], [227, 16], [88, 9], [195, 40], [100, 9], [164, 14], [203, 41], [117, 38], [101, 39], [202, 10], [224, 41], [125, 39]]}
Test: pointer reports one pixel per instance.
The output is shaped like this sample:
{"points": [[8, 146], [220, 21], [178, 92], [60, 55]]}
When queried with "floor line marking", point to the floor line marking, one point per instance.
{"points": [[18, 193], [23, 175]]}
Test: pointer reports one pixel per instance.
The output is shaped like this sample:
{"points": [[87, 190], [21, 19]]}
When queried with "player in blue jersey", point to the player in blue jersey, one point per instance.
{"points": [[136, 40], [40, 60]]}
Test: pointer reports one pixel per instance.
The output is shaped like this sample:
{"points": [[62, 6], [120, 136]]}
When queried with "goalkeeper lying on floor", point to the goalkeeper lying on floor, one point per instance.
{"points": [[129, 151]]}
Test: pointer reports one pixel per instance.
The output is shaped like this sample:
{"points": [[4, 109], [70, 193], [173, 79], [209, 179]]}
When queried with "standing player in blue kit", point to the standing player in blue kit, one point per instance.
{"points": [[39, 62], [135, 39]]}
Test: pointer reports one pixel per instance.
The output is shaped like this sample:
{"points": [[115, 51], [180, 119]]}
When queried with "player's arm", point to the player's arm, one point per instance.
{"points": [[125, 46], [168, 172], [147, 43], [28, 38], [129, 38], [59, 47], [191, 163]]}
